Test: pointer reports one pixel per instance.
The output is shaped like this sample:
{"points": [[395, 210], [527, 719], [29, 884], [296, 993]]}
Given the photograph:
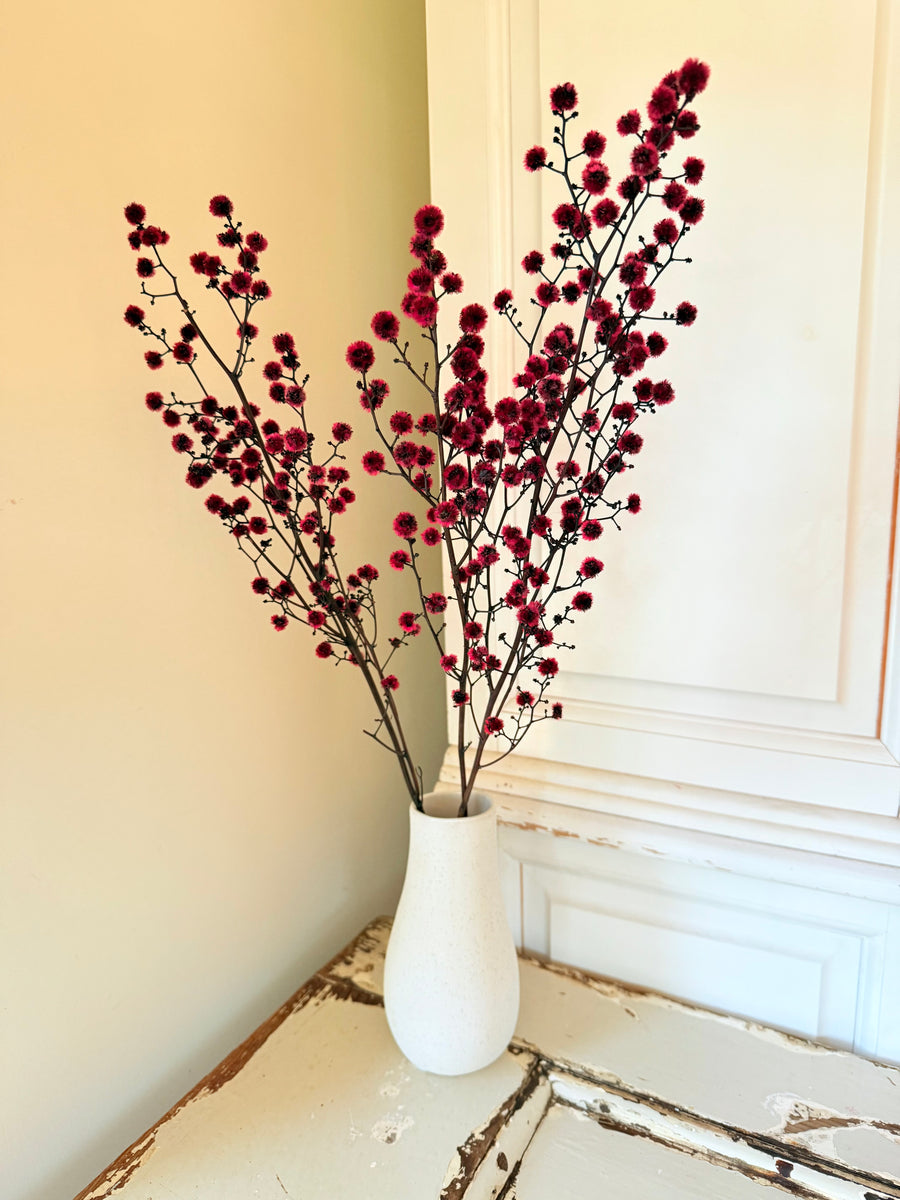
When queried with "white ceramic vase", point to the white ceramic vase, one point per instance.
{"points": [[451, 976]]}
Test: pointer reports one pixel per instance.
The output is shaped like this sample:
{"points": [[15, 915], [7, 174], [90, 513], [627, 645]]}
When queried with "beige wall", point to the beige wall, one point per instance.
{"points": [[192, 819]]}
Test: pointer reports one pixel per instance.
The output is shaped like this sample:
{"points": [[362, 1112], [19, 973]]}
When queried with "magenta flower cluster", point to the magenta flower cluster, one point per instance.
{"points": [[511, 486]]}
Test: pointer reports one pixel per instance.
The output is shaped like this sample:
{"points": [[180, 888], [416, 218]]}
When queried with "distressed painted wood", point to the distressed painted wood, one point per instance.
{"points": [[603, 1088]]}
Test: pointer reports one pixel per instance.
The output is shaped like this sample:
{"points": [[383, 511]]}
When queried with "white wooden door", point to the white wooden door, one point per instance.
{"points": [[734, 705]]}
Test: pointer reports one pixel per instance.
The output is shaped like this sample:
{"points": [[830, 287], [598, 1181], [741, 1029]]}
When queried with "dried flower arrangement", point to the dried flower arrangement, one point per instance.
{"points": [[512, 488]]}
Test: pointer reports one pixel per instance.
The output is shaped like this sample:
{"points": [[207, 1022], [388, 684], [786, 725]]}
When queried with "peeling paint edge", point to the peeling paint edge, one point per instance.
{"points": [[475, 1149], [774, 1177], [770, 1145], [120, 1171], [322, 984]]}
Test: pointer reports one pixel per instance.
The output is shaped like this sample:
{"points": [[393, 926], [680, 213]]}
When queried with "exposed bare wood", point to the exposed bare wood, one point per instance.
{"points": [[472, 1153], [120, 1171]]}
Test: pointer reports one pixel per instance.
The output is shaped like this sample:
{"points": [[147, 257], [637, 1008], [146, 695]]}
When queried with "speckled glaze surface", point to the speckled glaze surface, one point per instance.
{"points": [[451, 976]]}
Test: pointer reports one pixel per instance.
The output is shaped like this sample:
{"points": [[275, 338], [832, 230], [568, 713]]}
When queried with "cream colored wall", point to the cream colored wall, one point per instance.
{"points": [[192, 819]]}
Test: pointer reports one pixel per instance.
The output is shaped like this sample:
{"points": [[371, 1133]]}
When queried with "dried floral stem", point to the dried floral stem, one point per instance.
{"points": [[509, 488]]}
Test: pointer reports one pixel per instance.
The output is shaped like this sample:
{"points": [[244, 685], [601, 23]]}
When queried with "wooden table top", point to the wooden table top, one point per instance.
{"points": [[605, 1091]]}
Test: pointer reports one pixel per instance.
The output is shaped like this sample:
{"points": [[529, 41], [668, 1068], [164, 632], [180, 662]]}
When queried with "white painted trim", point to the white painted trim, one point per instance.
{"points": [[735, 831], [734, 733], [838, 782]]}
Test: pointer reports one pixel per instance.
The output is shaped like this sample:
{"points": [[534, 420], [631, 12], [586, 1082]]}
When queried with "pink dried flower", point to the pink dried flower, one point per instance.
{"points": [[429, 220], [401, 422], [360, 356], [473, 318], [408, 623], [221, 206], [385, 326], [644, 159], [446, 513], [405, 524], [631, 187], [641, 298], [420, 308], [691, 212], [629, 122], [663, 102], [535, 158], [563, 98], [135, 213], [593, 144], [605, 213], [674, 195], [693, 170], [547, 294], [595, 177], [693, 77]]}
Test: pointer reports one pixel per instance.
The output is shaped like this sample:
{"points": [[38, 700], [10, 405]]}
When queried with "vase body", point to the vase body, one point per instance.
{"points": [[451, 976]]}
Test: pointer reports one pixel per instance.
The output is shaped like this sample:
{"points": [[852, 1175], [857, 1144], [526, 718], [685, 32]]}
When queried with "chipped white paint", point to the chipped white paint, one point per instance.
{"points": [[827, 1131], [507, 1149], [708, 1065], [394, 1081], [390, 1129], [294, 1113], [790, 1108], [698, 1140], [605, 1091], [573, 1156]]}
